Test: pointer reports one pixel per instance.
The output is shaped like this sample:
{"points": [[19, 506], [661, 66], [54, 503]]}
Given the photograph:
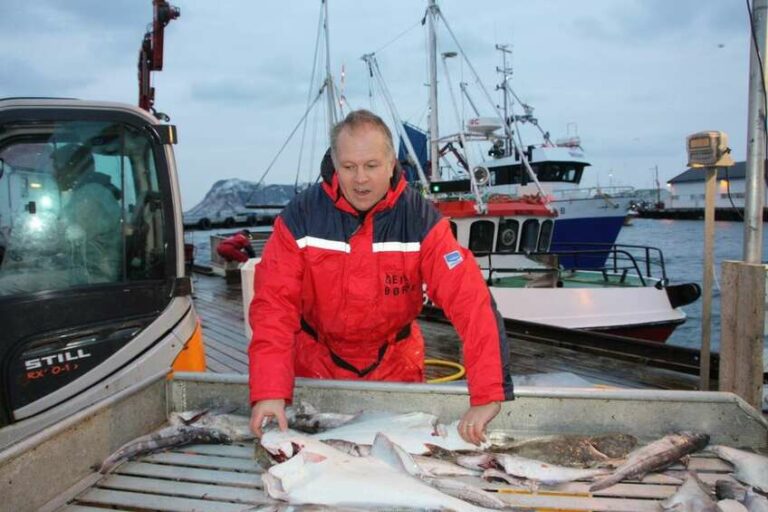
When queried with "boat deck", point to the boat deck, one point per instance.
{"points": [[220, 307], [216, 478]]}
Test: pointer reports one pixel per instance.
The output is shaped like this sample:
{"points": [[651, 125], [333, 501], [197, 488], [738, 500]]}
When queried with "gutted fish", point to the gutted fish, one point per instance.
{"points": [[531, 469], [428, 465], [692, 496], [411, 431], [316, 473], [654, 456], [168, 437], [750, 468]]}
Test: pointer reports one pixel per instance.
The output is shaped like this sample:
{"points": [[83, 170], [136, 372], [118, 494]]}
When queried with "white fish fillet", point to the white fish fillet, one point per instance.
{"points": [[410, 431], [751, 468], [322, 475], [690, 497]]}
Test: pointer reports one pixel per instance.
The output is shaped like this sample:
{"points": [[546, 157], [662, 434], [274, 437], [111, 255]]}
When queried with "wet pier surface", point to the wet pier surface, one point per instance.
{"points": [[220, 307]]}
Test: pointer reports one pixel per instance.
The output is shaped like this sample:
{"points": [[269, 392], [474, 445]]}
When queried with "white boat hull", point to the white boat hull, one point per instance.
{"points": [[643, 312]]}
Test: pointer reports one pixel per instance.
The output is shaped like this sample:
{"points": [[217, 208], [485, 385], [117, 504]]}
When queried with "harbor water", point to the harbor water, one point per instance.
{"points": [[681, 241]]}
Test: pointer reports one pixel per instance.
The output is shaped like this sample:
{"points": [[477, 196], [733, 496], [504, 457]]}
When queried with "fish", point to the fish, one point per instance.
{"points": [[692, 496], [168, 437], [755, 502], [730, 505], [750, 468], [429, 466], [411, 431], [304, 417], [656, 455], [236, 427], [315, 473], [574, 450], [492, 474], [531, 469], [730, 490]]}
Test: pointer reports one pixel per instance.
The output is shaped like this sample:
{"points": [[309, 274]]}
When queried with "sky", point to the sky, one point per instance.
{"points": [[632, 78]]}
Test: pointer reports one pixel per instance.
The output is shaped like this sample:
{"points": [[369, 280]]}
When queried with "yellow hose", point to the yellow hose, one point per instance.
{"points": [[460, 371]]}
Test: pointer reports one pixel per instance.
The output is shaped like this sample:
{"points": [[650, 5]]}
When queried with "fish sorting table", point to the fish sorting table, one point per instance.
{"points": [[227, 478]]}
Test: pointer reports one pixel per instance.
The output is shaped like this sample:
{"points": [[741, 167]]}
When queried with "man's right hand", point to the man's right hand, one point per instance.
{"points": [[265, 409]]}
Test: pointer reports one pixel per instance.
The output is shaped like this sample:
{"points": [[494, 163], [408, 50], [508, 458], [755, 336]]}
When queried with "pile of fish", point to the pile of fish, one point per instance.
{"points": [[412, 461]]}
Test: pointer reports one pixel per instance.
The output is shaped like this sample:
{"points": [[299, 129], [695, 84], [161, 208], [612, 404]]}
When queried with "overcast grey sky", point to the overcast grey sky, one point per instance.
{"points": [[636, 76]]}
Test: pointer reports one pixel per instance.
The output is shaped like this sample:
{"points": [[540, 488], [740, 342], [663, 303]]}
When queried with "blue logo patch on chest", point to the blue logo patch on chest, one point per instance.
{"points": [[452, 259]]}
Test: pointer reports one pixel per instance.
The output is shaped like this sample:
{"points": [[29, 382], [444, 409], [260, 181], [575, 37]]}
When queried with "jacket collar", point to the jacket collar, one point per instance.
{"points": [[333, 190]]}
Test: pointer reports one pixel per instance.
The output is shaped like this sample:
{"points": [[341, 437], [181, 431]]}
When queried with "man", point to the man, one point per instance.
{"points": [[340, 285], [82, 246], [236, 247]]}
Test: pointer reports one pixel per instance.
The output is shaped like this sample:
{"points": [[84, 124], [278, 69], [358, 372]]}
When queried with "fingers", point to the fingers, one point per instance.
{"points": [[256, 424], [472, 432], [282, 421]]}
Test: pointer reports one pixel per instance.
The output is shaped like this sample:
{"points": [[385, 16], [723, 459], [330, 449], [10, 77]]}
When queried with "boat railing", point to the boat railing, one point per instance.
{"points": [[594, 192], [624, 260], [648, 260]]}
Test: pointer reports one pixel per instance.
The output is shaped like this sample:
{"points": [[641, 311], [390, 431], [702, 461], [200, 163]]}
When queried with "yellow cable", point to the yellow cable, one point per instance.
{"points": [[460, 371]]}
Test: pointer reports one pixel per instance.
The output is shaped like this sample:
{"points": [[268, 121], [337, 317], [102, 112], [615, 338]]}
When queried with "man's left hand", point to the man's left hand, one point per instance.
{"points": [[473, 423]]}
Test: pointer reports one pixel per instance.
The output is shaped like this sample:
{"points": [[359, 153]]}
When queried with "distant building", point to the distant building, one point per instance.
{"points": [[687, 190]]}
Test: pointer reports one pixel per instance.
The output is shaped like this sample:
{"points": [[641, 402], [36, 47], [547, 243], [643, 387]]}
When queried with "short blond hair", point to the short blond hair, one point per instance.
{"points": [[356, 119]]}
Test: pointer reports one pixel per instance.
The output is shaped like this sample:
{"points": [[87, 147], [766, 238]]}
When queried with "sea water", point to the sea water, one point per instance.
{"points": [[682, 242]]}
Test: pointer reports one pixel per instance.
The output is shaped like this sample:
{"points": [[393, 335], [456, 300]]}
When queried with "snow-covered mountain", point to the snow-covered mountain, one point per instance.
{"points": [[228, 199]]}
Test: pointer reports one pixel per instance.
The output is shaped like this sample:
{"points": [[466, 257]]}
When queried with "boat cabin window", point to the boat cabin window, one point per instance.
{"points": [[454, 229], [79, 205], [507, 238], [567, 172], [508, 175], [545, 235], [481, 236], [529, 235]]}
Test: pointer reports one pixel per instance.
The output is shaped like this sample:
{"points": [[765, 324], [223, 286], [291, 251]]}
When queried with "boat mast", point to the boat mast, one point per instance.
{"points": [[506, 72], [434, 134], [329, 90]]}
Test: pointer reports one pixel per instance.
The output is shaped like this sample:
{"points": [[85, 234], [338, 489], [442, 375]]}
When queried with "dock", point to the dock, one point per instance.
{"points": [[220, 307]]}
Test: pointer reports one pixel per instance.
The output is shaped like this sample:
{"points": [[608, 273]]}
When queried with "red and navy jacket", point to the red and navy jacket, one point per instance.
{"points": [[357, 280]]}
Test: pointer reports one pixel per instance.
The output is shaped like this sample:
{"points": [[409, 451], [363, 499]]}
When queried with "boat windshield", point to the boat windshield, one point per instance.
{"points": [[79, 205]]}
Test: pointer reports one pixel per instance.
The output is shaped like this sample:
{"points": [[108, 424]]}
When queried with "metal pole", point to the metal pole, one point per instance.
{"points": [[434, 134], [329, 89], [658, 187], [706, 293], [754, 197]]}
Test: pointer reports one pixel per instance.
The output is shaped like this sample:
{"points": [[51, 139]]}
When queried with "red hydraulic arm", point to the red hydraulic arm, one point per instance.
{"points": [[151, 52]]}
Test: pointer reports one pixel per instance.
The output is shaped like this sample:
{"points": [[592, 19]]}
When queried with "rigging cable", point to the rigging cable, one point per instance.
{"points": [[309, 97], [293, 132]]}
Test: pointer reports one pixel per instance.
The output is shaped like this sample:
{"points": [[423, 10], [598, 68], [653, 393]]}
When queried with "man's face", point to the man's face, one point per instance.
{"points": [[364, 163]]}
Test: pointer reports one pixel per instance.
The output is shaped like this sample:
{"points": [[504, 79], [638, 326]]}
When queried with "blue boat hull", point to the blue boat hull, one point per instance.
{"points": [[571, 234]]}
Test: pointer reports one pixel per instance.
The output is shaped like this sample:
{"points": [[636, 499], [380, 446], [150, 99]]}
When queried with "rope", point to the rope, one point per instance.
{"points": [[459, 373]]}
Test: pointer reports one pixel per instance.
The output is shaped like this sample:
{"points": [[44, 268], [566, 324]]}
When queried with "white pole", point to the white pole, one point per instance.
{"points": [[755, 178], [434, 134]]}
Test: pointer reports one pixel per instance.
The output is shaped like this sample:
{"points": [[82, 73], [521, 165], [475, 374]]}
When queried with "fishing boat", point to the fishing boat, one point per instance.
{"points": [[500, 210]]}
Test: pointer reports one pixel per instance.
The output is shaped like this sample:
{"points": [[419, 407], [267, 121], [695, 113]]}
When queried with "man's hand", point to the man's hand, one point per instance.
{"points": [[266, 409], [472, 424]]}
